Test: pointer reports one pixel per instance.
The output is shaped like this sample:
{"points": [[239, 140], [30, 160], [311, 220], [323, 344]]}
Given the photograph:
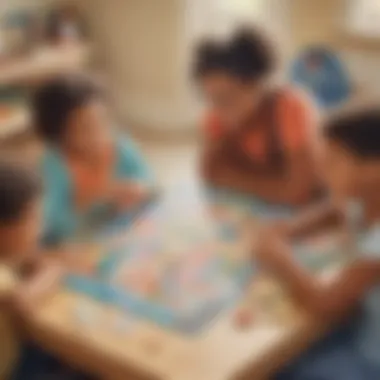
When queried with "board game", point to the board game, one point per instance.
{"points": [[184, 260]]}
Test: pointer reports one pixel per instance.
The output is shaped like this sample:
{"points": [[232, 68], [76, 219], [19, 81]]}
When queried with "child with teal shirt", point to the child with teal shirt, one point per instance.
{"points": [[86, 167], [352, 172]]}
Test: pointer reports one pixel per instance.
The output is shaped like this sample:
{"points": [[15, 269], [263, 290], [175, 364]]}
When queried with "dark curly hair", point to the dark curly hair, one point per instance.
{"points": [[358, 131], [247, 55], [53, 103], [18, 187]]}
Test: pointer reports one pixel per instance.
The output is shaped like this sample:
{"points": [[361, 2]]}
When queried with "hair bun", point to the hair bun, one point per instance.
{"points": [[246, 55], [252, 49], [242, 41], [210, 50], [209, 53]]}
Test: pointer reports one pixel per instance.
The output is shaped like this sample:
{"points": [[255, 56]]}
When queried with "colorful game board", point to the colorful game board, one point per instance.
{"points": [[183, 261]]}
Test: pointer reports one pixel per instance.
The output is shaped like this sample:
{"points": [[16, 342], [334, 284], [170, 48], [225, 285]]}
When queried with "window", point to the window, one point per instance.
{"points": [[364, 17], [220, 16]]}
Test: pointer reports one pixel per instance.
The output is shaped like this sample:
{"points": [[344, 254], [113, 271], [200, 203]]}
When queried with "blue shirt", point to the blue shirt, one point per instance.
{"points": [[61, 218]]}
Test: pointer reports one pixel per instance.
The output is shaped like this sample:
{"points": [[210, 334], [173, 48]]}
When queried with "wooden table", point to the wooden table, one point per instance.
{"points": [[145, 351], [148, 352]]}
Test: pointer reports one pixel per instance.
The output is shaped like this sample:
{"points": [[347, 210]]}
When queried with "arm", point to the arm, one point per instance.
{"points": [[134, 178], [292, 188], [318, 218], [40, 280], [323, 300], [36, 280]]}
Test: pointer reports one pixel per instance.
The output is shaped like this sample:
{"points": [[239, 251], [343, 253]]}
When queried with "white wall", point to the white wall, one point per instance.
{"points": [[6, 5], [146, 48], [322, 22], [139, 43]]}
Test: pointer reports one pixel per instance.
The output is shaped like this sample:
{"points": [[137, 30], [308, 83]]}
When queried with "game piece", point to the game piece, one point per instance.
{"points": [[243, 318]]}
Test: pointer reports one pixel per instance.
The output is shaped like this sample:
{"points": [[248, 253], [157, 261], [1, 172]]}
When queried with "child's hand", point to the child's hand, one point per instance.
{"points": [[268, 250], [126, 195], [39, 285]]}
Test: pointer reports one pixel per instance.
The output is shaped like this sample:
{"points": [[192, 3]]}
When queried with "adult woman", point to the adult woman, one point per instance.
{"points": [[259, 139]]}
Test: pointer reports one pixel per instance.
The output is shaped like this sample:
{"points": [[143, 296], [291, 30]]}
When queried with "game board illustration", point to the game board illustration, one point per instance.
{"points": [[184, 261], [177, 266]]}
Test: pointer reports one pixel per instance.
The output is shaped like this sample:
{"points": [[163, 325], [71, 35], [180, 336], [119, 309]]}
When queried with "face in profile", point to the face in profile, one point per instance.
{"points": [[88, 127], [232, 100], [22, 236]]}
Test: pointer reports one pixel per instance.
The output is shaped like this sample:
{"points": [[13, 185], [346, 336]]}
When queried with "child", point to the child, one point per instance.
{"points": [[352, 170], [24, 277], [85, 167], [257, 139]]}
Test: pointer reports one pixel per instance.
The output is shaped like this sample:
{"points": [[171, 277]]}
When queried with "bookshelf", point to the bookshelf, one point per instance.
{"points": [[29, 70]]}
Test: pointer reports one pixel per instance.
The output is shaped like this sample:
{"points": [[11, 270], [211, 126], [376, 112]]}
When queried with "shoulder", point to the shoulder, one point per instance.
{"points": [[299, 119], [130, 161], [297, 106], [54, 171], [295, 98]]}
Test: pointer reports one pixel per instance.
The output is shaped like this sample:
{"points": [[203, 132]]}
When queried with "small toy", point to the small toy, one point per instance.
{"points": [[65, 25], [243, 318]]}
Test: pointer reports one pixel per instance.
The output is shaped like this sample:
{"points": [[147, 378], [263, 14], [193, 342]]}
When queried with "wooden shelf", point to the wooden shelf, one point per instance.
{"points": [[37, 66], [14, 122], [43, 63]]}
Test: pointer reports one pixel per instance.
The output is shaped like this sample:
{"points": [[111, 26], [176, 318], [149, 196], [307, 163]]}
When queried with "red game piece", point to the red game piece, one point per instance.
{"points": [[243, 318]]}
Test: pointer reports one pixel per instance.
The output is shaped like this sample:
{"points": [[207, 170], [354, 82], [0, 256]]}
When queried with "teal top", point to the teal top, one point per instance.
{"points": [[61, 220], [368, 339], [367, 247]]}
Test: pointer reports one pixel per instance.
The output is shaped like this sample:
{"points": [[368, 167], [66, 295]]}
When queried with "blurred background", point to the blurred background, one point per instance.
{"points": [[142, 49]]}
